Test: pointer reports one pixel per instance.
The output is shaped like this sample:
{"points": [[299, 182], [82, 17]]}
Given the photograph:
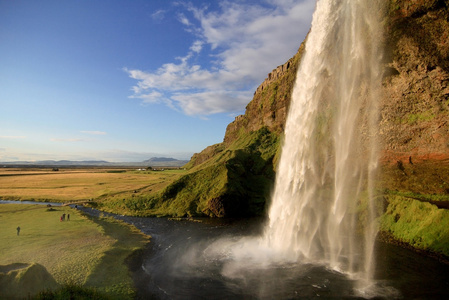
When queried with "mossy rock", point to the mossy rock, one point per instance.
{"points": [[418, 223], [20, 280]]}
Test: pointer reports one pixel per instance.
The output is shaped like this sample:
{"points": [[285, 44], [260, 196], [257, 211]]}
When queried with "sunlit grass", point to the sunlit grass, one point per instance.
{"points": [[82, 251], [77, 185]]}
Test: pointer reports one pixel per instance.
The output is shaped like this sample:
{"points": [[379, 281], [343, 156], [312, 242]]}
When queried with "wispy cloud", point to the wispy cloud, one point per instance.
{"points": [[93, 132], [183, 19], [12, 137], [66, 140], [246, 41], [158, 15]]}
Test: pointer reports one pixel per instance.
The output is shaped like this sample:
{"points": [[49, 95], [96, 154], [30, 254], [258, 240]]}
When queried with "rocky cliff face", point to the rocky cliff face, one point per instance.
{"points": [[415, 103], [270, 103]]}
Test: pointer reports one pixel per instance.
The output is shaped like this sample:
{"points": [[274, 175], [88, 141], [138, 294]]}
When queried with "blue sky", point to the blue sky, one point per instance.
{"points": [[129, 80]]}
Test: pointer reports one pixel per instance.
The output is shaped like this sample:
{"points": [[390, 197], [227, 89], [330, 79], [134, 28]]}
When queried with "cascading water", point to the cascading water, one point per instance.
{"points": [[328, 158]]}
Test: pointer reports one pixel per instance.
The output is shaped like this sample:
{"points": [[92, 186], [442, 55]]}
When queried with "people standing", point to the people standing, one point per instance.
{"points": [[18, 230]]}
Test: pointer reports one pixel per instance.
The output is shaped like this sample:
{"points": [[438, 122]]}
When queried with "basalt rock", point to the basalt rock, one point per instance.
{"points": [[415, 102]]}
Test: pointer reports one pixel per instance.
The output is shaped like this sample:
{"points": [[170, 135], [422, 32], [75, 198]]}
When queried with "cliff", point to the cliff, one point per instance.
{"points": [[414, 128], [415, 105]]}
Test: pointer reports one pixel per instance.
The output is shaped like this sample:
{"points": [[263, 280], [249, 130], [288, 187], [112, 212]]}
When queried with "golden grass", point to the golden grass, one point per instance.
{"points": [[77, 184]]}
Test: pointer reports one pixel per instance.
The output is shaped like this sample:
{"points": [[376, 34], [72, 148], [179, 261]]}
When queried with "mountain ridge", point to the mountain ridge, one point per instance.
{"points": [[155, 161]]}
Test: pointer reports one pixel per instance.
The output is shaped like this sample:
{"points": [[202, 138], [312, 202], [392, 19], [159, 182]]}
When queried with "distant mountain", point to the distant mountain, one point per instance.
{"points": [[152, 162], [164, 162], [159, 159]]}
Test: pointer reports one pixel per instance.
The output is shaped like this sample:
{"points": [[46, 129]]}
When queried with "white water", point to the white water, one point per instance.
{"points": [[329, 156]]}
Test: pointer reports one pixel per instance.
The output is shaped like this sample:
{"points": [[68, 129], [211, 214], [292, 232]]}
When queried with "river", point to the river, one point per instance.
{"points": [[194, 260]]}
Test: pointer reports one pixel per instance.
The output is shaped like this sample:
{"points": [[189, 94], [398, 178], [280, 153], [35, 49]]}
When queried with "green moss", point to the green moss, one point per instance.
{"points": [[417, 223], [420, 197], [273, 97], [414, 118]]}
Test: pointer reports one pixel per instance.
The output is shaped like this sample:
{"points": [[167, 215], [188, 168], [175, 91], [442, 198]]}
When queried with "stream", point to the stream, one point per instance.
{"points": [[195, 260]]}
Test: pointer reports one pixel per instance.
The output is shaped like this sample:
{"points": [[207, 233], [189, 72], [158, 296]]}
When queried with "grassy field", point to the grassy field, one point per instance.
{"points": [[83, 251], [79, 184]]}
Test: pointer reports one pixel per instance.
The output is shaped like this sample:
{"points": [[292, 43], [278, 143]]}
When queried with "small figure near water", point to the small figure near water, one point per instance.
{"points": [[18, 230]]}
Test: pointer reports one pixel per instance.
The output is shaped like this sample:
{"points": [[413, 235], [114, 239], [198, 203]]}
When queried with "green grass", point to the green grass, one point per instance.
{"points": [[82, 251], [71, 292], [417, 223]]}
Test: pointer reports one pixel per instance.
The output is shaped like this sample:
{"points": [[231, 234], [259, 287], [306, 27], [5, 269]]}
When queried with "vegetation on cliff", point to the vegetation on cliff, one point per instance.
{"points": [[418, 223], [414, 128]]}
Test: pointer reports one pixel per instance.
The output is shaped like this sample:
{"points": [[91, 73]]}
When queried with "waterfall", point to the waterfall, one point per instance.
{"points": [[329, 156]]}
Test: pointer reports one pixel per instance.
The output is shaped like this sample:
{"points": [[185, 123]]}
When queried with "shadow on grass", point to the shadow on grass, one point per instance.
{"points": [[112, 274], [71, 292]]}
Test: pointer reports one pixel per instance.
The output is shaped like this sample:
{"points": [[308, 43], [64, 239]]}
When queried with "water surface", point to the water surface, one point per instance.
{"points": [[197, 260]]}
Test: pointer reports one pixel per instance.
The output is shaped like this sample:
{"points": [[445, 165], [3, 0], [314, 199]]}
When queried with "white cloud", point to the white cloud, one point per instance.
{"points": [[197, 46], [247, 41], [158, 15], [183, 19], [94, 132], [66, 140], [12, 137], [212, 102]]}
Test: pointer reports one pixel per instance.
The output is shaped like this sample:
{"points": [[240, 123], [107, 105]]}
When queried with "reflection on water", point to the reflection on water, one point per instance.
{"points": [[29, 202], [215, 259]]}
